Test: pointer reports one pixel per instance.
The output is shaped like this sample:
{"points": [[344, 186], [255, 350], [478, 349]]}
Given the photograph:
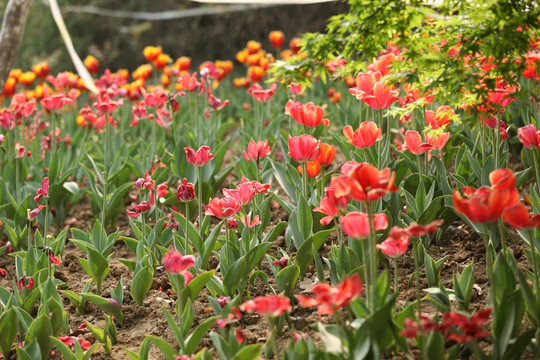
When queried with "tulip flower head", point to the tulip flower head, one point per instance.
{"points": [[186, 191], [364, 182], [308, 114], [222, 208], [271, 305], [199, 157], [371, 89], [257, 151], [529, 136], [304, 148], [365, 136], [486, 204], [356, 224], [175, 263], [332, 298]]}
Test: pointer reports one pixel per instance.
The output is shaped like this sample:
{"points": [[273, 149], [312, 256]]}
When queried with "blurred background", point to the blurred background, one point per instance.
{"points": [[118, 42]]}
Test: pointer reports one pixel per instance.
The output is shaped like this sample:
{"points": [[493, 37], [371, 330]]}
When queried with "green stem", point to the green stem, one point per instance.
{"points": [[53, 136], [489, 255], [502, 235], [339, 231], [363, 249], [536, 169], [497, 140], [372, 253], [396, 284], [187, 228], [46, 242], [483, 141], [304, 181], [199, 197], [417, 280]]}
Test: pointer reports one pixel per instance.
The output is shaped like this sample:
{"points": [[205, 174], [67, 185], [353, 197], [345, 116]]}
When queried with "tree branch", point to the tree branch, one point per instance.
{"points": [[11, 35]]}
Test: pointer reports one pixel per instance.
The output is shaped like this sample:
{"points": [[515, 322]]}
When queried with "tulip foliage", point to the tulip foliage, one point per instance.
{"points": [[321, 209]]}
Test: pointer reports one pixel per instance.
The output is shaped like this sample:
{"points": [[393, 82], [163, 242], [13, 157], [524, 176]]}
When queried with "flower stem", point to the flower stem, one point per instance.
{"points": [[417, 279], [489, 255], [372, 254], [199, 197], [536, 169], [396, 285], [304, 181]]}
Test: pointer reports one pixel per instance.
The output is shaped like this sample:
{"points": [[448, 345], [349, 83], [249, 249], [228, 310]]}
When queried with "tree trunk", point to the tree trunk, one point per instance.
{"points": [[11, 35]]}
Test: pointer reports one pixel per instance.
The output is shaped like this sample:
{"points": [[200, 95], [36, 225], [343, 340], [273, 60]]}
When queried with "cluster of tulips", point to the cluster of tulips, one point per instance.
{"points": [[381, 172]]}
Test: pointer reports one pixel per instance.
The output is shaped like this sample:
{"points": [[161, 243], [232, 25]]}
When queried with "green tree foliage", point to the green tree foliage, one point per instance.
{"points": [[434, 38]]}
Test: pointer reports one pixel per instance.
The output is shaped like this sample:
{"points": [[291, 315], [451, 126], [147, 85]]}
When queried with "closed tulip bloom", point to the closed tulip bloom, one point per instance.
{"points": [[529, 136], [394, 247], [222, 208], [151, 52], [186, 191], [413, 143], [257, 150], [176, 263], [277, 38], [55, 102], [365, 136], [306, 114], [356, 224], [313, 168], [199, 157], [328, 152], [304, 148]]}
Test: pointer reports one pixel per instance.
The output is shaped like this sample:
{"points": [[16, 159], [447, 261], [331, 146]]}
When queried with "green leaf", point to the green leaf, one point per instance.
{"points": [[193, 340], [286, 279], [305, 218], [195, 286], [41, 331], [99, 266], [8, 329], [105, 305], [64, 349], [249, 352], [163, 346], [141, 283]]}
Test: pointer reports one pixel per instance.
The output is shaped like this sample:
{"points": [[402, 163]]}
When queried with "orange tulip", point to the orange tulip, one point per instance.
{"points": [[364, 182], [151, 52], [253, 46], [91, 64], [41, 70], [304, 148], [183, 63], [313, 168], [161, 61], [328, 152], [27, 78], [277, 38]]}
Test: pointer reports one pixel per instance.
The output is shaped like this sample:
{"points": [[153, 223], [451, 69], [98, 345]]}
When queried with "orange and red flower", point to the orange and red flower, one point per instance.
{"points": [[308, 114], [364, 182], [270, 305], [332, 298], [199, 157], [371, 89], [356, 224]]}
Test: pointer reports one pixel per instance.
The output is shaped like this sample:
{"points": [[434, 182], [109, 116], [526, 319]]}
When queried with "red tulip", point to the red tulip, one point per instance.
{"points": [[246, 221], [259, 188], [437, 142], [176, 263], [327, 208], [332, 298], [304, 148], [53, 259], [364, 182], [371, 89], [306, 114], [356, 224], [519, 218], [440, 118], [199, 158], [222, 208], [55, 102], [529, 136], [486, 204], [186, 191], [243, 193], [365, 136], [260, 94], [43, 191], [394, 247], [413, 143], [257, 150], [270, 305]]}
